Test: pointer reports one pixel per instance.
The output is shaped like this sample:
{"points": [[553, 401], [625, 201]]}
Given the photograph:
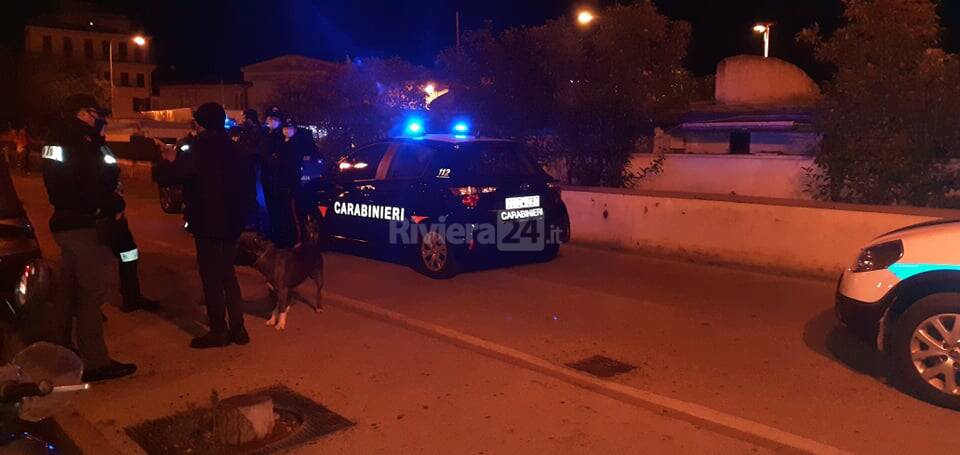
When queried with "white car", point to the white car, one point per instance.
{"points": [[903, 292]]}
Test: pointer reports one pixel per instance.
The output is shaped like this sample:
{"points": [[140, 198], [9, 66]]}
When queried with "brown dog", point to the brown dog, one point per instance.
{"points": [[284, 269]]}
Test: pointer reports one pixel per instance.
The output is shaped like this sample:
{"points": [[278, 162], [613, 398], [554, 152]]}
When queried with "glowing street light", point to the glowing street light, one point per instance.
{"points": [[139, 40], [765, 30], [585, 17], [430, 88]]}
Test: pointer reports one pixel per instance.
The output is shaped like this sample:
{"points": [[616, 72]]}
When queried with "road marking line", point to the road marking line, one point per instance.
{"points": [[718, 421]]}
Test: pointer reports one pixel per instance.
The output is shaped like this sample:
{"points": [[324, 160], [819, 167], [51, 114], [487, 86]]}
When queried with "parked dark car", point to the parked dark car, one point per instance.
{"points": [[444, 200], [19, 253]]}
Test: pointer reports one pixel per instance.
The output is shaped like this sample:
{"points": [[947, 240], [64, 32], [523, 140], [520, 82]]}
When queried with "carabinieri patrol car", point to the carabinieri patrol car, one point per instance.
{"points": [[903, 292], [446, 199]]}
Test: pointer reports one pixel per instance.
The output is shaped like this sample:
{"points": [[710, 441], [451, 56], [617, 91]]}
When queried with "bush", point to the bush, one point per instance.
{"points": [[890, 111]]}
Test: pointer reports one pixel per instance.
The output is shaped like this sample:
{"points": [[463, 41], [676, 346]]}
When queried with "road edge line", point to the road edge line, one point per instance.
{"points": [[718, 421]]}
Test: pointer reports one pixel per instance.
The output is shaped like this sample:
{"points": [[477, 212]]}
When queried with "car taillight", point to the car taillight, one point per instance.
{"points": [[470, 200], [470, 195]]}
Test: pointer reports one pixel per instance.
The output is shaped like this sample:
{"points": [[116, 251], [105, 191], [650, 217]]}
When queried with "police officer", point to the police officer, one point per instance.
{"points": [[281, 184], [299, 142], [219, 181], [273, 136], [81, 180], [250, 134]]}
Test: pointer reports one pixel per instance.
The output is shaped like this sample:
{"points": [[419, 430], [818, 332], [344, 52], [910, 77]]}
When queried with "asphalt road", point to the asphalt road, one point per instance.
{"points": [[760, 347]]}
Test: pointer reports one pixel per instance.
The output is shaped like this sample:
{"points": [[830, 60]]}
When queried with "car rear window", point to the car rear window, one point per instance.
{"points": [[410, 161], [363, 164], [497, 159]]}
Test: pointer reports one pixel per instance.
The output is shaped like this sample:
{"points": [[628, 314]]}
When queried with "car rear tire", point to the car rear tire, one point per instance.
{"points": [[925, 349], [434, 256], [549, 253], [171, 200]]}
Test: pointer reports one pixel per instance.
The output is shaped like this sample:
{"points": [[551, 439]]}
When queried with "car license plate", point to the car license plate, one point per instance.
{"points": [[522, 202]]}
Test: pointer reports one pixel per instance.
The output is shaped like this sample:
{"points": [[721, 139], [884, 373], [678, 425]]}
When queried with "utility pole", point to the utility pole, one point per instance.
{"points": [[457, 17]]}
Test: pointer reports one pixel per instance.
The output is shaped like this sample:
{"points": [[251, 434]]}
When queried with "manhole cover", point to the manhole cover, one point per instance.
{"points": [[601, 366], [300, 421]]}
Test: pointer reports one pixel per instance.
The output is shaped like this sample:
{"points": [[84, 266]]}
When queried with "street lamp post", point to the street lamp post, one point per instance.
{"points": [[765, 30], [139, 41]]}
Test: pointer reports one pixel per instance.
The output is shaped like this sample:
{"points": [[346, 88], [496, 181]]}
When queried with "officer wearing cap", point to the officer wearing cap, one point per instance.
{"points": [[81, 179]]}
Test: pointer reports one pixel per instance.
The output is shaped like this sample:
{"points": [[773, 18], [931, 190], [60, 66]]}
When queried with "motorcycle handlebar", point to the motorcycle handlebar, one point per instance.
{"points": [[13, 391]]}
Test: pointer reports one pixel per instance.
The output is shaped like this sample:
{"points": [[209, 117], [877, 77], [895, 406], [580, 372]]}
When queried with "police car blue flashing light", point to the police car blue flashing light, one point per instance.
{"points": [[461, 128], [415, 128]]}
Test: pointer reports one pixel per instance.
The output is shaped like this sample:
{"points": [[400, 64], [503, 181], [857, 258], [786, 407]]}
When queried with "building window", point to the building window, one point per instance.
{"points": [[123, 51], [88, 48], [141, 104], [106, 75], [105, 50], [47, 45], [141, 81], [67, 47], [124, 79], [138, 54]]}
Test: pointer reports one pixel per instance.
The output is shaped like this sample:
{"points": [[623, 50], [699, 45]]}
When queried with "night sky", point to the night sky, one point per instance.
{"points": [[210, 40]]}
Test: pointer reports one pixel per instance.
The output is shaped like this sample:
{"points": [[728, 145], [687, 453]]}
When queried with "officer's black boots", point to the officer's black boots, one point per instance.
{"points": [[114, 370], [133, 300], [211, 340]]}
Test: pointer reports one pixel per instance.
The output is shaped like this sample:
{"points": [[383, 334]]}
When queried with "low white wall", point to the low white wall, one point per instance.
{"points": [[775, 176], [798, 236]]}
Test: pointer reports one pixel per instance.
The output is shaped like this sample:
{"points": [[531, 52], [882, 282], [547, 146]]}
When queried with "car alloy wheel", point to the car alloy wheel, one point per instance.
{"points": [[434, 252], [935, 351]]}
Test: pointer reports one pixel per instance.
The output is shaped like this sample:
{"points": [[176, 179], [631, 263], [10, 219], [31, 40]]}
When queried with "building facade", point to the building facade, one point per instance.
{"points": [[98, 39], [269, 76]]}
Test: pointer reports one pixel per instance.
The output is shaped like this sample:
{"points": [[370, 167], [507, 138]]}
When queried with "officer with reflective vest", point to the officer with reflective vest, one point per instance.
{"points": [[81, 177]]}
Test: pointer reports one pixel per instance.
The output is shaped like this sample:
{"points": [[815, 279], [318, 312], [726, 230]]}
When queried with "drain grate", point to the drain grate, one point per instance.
{"points": [[301, 421], [603, 367]]}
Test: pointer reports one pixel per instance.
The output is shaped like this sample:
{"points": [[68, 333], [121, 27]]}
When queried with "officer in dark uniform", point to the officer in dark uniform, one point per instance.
{"points": [[81, 180], [251, 135], [281, 185], [219, 184], [250, 132], [125, 249]]}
